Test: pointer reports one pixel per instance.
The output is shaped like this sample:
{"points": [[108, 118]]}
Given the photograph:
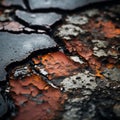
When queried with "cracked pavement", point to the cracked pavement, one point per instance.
{"points": [[59, 60]]}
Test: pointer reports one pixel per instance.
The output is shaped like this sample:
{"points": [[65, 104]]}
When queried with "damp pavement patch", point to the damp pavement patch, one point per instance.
{"points": [[38, 19], [16, 47], [60, 4]]}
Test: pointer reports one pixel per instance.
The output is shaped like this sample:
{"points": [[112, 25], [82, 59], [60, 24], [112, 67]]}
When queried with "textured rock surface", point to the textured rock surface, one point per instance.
{"points": [[77, 80], [38, 19], [64, 4], [16, 47]]}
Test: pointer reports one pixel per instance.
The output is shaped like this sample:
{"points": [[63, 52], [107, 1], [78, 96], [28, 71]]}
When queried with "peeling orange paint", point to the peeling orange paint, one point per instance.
{"points": [[83, 51], [35, 99], [79, 47], [107, 28], [57, 64]]}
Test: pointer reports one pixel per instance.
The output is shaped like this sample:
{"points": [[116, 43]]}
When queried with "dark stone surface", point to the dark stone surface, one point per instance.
{"points": [[16, 47], [9, 3], [38, 19], [60, 4], [3, 106]]}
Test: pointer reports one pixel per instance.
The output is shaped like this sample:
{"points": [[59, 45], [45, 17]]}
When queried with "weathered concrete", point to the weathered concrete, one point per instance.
{"points": [[16, 47]]}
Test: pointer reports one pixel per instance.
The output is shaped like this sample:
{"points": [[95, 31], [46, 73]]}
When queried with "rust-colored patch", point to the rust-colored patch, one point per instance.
{"points": [[13, 26], [110, 29], [77, 46], [106, 28], [57, 64], [35, 102], [83, 51], [98, 74], [24, 86]]}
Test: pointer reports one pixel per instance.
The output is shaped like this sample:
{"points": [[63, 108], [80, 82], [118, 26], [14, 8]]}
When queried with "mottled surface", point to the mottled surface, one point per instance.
{"points": [[77, 80], [16, 47]]}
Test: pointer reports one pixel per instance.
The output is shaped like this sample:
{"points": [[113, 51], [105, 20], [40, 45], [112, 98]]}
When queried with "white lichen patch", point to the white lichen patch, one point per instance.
{"points": [[68, 30], [98, 48], [86, 80], [100, 53], [77, 59], [77, 19], [100, 43]]}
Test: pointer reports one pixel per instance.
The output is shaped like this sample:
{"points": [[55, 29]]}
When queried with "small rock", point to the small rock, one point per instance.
{"points": [[38, 19]]}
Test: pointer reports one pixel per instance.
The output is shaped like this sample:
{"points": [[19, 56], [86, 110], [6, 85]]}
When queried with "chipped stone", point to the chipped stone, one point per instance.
{"points": [[16, 47], [64, 4], [38, 19]]}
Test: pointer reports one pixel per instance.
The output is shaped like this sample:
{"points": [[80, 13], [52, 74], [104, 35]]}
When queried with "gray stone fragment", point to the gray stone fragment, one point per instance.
{"points": [[60, 4], [38, 19], [16, 47]]}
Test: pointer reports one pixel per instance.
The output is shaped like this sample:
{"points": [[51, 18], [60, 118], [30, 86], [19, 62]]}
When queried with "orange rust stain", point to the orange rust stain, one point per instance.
{"points": [[110, 66], [98, 74], [83, 51], [36, 60], [57, 64], [110, 29], [77, 46], [36, 103], [35, 80], [107, 28], [21, 86]]}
